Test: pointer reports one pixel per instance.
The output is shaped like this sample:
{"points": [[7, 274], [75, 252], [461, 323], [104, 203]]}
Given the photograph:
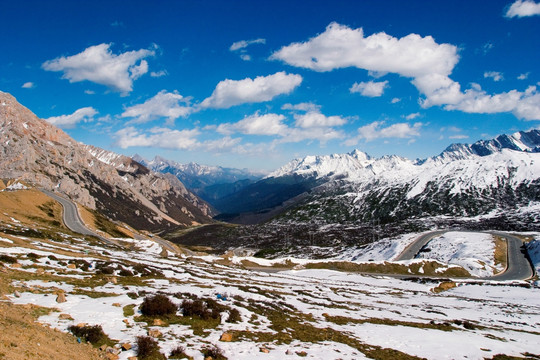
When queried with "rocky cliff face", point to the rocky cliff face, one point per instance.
{"points": [[35, 151]]}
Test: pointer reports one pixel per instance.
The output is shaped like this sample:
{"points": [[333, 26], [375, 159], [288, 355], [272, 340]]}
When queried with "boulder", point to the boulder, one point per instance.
{"points": [[154, 333], [159, 322], [72, 266], [264, 350], [16, 266], [65, 317], [17, 294], [61, 297], [126, 346], [226, 336]]}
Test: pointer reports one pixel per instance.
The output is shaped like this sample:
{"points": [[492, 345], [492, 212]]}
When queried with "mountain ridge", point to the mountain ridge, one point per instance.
{"points": [[37, 152]]}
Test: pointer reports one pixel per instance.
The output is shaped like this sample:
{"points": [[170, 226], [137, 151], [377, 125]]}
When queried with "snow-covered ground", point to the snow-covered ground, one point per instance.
{"points": [[471, 250], [345, 314]]}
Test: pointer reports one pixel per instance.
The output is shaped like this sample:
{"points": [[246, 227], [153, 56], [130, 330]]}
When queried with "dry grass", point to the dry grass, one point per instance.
{"points": [[30, 207], [23, 338], [426, 268], [501, 252], [445, 285]]}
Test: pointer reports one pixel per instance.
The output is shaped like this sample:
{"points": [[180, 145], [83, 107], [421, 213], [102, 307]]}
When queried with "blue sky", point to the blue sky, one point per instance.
{"points": [[254, 84]]}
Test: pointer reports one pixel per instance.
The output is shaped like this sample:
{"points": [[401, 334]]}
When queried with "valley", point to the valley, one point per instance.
{"points": [[308, 310], [343, 256]]}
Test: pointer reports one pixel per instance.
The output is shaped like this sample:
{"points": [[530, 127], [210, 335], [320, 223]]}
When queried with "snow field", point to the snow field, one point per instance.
{"points": [[378, 311]]}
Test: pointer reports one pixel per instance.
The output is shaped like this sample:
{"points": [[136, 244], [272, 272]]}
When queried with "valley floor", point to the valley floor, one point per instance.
{"points": [[312, 313]]}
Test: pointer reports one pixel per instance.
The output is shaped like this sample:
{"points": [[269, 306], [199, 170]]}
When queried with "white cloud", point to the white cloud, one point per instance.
{"points": [[524, 105], [245, 43], [221, 145], [245, 57], [428, 63], [267, 124], [89, 92], [458, 137], [229, 93], [375, 130], [28, 85], [321, 134], [412, 116], [523, 8], [495, 75], [523, 76], [395, 100], [340, 47], [370, 88], [85, 114], [306, 106], [164, 138], [160, 73], [314, 119], [99, 65], [163, 104]]}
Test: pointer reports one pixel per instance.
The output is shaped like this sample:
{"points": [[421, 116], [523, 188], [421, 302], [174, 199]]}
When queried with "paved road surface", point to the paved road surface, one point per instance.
{"points": [[519, 267], [72, 219], [410, 251]]}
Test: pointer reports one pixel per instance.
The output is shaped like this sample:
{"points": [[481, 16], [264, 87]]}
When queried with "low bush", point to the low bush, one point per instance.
{"points": [[204, 309], [178, 352], [92, 334], [214, 352], [158, 305], [148, 349], [234, 316], [8, 259]]}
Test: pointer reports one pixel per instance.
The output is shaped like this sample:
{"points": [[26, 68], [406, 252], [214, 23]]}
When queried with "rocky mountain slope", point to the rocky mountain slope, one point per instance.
{"points": [[35, 151]]}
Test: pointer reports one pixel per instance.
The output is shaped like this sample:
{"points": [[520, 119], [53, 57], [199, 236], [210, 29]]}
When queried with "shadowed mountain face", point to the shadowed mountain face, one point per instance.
{"points": [[35, 151]]}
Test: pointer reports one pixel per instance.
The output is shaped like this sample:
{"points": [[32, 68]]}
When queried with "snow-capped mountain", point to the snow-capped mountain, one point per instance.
{"points": [[37, 152], [499, 177], [209, 182]]}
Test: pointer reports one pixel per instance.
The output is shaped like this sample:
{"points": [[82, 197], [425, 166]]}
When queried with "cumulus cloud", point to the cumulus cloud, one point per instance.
{"points": [[163, 104], [99, 65], [267, 124], [28, 85], [85, 114], [160, 73], [370, 88], [314, 119], [495, 75], [524, 105], [428, 63], [522, 8], [524, 76], [157, 137], [412, 116], [306, 106], [229, 93], [340, 47], [239, 45], [376, 130], [395, 100]]}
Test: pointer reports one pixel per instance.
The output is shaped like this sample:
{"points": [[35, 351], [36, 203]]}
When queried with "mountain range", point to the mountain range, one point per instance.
{"points": [[41, 154], [335, 198], [209, 182]]}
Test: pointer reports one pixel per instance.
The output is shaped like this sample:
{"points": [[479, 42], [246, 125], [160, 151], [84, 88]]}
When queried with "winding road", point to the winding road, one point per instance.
{"points": [[71, 217], [518, 267]]}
